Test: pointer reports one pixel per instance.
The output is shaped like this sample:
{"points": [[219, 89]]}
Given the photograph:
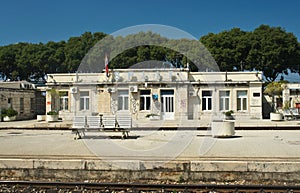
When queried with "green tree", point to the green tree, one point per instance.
{"points": [[273, 51], [229, 48], [268, 49], [7, 62]]}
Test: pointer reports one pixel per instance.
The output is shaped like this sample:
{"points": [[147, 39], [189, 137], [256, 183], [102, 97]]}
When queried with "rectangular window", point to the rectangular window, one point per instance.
{"points": [[84, 100], [122, 100], [9, 102], [145, 100], [32, 105], [224, 100], [64, 101], [242, 101], [21, 105], [206, 100]]}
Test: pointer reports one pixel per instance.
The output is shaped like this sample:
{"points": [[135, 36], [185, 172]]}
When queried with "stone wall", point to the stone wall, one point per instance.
{"points": [[27, 102]]}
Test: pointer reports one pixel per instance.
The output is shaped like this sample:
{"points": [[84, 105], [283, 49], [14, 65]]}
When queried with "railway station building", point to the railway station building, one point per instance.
{"points": [[171, 97]]}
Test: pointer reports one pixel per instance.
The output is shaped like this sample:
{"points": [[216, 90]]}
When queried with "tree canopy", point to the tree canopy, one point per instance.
{"points": [[146, 46], [31, 62], [268, 49]]}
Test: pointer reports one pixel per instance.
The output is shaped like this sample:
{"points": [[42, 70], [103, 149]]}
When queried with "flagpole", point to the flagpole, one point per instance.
{"points": [[106, 65]]}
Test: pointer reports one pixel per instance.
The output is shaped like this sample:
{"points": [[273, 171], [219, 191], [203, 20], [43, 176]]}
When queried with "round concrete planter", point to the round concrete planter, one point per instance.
{"points": [[7, 118], [52, 118], [276, 116], [220, 128]]}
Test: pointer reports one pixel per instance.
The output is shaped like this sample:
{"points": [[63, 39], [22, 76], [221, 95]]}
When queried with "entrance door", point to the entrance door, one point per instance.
{"points": [[167, 104]]}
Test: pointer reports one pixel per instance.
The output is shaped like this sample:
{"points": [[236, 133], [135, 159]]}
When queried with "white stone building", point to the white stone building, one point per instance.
{"points": [[176, 98], [291, 95]]}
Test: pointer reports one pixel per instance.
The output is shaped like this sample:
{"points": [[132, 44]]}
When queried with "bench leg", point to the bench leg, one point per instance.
{"points": [[125, 134], [77, 135]]}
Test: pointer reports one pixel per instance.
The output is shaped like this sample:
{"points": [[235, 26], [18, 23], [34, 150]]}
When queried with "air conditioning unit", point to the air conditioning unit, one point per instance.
{"points": [[133, 88], [110, 89], [73, 90]]}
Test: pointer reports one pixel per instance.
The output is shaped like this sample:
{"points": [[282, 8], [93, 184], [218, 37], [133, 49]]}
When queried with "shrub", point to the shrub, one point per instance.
{"points": [[52, 113], [3, 112], [151, 115], [10, 112], [228, 113]]}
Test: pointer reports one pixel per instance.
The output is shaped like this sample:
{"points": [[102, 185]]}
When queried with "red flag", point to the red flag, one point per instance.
{"points": [[106, 65]]}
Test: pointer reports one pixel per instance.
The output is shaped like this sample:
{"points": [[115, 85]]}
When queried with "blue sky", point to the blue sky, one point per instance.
{"points": [[54, 20]]}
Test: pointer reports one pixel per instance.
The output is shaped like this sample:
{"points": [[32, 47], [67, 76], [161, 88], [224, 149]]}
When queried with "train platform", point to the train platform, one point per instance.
{"points": [[151, 154], [201, 124]]}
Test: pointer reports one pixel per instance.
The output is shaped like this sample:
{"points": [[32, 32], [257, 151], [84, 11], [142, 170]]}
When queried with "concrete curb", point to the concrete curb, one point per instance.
{"points": [[228, 170], [140, 165]]}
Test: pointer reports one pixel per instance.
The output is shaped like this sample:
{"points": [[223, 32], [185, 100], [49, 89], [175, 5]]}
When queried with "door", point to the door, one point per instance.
{"points": [[167, 104]]}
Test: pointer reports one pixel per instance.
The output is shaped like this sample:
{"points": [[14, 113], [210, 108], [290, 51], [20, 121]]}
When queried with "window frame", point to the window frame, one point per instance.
{"points": [[225, 100], [241, 100], [86, 101], [64, 102], [208, 100], [21, 105], [32, 105], [144, 97], [124, 97]]}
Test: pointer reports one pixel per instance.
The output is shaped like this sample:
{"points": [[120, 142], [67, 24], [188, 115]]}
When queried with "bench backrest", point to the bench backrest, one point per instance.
{"points": [[124, 121], [295, 112], [79, 122], [109, 121], [93, 121], [287, 112]]}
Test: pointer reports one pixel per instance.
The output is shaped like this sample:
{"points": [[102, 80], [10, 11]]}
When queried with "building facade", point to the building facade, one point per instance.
{"points": [[291, 95], [23, 97], [174, 97]]}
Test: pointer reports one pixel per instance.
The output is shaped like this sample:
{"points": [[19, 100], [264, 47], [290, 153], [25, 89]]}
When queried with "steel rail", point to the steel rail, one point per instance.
{"points": [[153, 187]]}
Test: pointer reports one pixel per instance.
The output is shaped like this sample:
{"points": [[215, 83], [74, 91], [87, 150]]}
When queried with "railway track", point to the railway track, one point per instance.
{"points": [[38, 186]]}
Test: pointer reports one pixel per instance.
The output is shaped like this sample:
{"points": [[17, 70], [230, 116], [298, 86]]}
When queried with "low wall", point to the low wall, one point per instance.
{"points": [[134, 170]]}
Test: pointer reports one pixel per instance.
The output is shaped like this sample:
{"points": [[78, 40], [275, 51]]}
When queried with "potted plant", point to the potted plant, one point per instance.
{"points": [[273, 89], [228, 115], [9, 115], [52, 116]]}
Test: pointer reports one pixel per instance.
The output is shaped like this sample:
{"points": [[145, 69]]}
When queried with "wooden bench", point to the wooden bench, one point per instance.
{"points": [[82, 124]]}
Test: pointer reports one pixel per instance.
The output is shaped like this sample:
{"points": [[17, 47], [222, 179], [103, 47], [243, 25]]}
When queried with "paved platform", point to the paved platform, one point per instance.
{"points": [[172, 145], [150, 154], [203, 124]]}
